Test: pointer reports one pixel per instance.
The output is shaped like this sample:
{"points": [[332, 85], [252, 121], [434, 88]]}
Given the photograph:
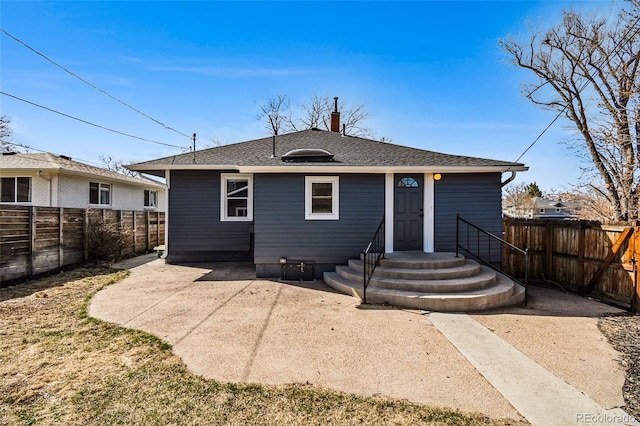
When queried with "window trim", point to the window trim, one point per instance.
{"points": [[335, 197], [15, 190], [224, 177], [146, 198], [100, 188]]}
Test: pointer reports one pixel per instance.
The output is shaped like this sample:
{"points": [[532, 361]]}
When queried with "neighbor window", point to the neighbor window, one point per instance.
{"points": [[15, 189], [150, 198], [99, 193], [236, 203], [321, 198]]}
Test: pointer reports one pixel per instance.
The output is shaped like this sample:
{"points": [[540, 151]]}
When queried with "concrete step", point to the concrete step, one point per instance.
{"points": [[421, 260], [483, 278], [503, 293], [469, 268]]}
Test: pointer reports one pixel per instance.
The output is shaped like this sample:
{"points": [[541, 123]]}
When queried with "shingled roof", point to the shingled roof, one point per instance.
{"points": [[350, 154], [50, 163]]}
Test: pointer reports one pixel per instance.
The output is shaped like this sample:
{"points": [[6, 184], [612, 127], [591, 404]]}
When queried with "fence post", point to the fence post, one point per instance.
{"points": [[32, 237], [133, 214], [635, 254], [148, 230], [60, 237], [548, 250], [581, 249], [85, 234]]}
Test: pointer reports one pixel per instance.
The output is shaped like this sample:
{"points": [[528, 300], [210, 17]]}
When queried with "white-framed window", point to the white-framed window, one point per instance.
{"points": [[150, 198], [236, 197], [15, 190], [99, 194], [321, 197]]}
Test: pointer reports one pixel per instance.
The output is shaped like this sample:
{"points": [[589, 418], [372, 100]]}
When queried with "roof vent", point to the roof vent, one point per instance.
{"points": [[9, 153], [64, 157], [313, 155]]}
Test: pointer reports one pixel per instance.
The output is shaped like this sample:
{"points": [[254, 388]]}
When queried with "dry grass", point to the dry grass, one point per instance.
{"points": [[58, 366]]}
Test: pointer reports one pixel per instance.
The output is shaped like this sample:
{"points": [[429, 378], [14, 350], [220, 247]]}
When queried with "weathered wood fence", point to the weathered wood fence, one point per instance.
{"points": [[34, 240], [582, 256]]}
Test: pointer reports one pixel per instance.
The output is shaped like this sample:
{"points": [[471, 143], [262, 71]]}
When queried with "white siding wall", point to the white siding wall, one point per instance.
{"points": [[74, 192], [70, 191], [39, 191]]}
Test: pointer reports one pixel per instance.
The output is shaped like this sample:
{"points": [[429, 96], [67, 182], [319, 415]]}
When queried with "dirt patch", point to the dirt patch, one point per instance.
{"points": [[623, 331]]}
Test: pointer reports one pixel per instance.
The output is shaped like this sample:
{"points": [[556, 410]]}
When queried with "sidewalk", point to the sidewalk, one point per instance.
{"points": [[229, 326]]}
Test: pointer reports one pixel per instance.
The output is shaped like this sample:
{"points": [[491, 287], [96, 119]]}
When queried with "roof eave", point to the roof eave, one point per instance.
{"points": [[162, 167], [379, 169], [333, 168], [142, 183]]}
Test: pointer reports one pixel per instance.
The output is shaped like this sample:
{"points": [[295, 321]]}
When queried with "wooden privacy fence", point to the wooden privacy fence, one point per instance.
{"points": [[34, 240], [586, 257]]}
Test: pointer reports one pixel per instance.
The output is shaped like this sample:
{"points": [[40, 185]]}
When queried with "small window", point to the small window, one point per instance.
{"points": [[150, 198], [322, 198], [407, 182], [236, 202], [99, 194], [15, 189]]}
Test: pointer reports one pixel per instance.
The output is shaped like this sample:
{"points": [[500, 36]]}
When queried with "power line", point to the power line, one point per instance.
{"points": [[88, 122], [584, 86], [93, 86]]}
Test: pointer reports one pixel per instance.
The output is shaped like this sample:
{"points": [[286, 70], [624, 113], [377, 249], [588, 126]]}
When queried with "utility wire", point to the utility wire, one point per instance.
{"points": [[88, 122], [92, 85]]}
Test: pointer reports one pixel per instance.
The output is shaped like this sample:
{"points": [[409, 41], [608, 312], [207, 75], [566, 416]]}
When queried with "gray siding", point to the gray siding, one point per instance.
{"points": [[476, 198], [282, 231], [195, 230]]}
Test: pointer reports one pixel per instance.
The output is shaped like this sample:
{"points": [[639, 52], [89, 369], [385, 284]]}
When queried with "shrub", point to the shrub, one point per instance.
{"points": [[104, 240]]}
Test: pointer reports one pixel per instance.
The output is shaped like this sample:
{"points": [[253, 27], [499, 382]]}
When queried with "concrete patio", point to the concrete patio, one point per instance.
{"points": [[227, 325]]}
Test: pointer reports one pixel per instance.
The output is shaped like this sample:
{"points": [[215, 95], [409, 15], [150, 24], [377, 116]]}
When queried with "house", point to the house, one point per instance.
{"points": [[44, 179], [318, 197], [545, 208]]}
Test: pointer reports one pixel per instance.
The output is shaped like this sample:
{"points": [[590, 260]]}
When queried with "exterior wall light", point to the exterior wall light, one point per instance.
{"points": [[437, 176]]}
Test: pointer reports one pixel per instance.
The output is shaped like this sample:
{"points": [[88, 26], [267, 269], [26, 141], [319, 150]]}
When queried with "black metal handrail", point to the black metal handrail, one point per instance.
{"points": [[371, 258], [489, 237]]}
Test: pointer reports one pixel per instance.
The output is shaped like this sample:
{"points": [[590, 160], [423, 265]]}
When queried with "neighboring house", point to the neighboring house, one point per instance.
{"points": [[57, 181], [319, 196], [544, 208]]}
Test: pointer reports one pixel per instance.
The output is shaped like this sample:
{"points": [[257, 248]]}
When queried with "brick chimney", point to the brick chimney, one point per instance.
{"points": [[335, 117]]}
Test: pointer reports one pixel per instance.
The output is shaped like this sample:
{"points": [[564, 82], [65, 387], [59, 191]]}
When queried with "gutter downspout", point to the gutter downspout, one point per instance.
{"points": [[167, 182], [509, 179]]}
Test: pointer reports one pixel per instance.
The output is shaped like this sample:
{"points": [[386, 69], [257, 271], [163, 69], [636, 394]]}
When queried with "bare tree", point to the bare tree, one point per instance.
{"points": [[115, 165], [517, 199], [593, 203], [278, 116], [6, 137], [586, 69]]}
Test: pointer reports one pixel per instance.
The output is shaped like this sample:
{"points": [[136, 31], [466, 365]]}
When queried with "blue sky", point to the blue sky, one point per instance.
{"points": [[430, 74]]}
